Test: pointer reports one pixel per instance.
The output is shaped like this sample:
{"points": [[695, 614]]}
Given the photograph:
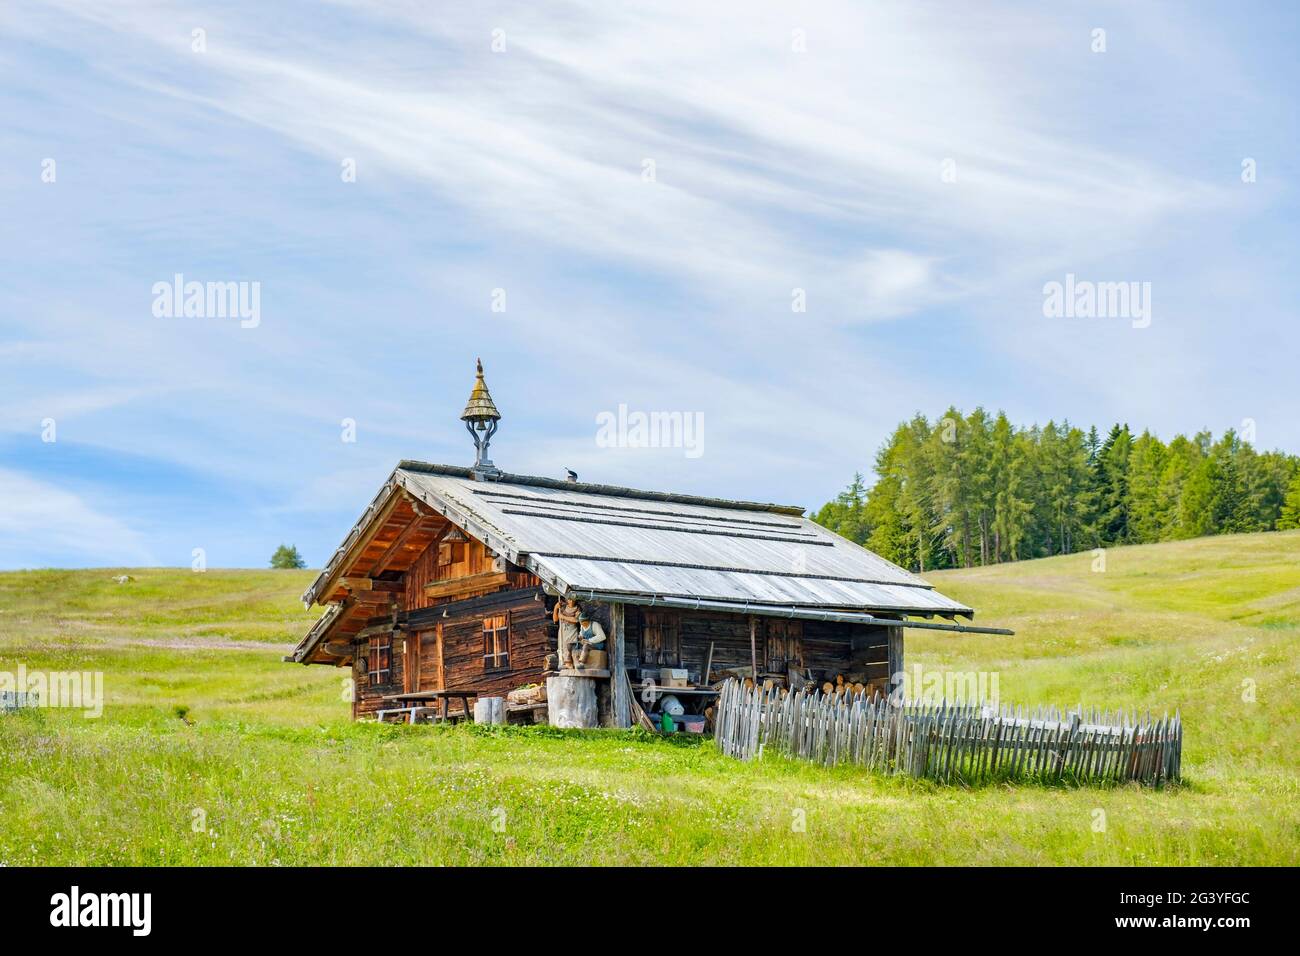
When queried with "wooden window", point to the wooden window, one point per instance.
{"points": [[496, 642], [660, 639], [784, 645], [379, 666]]}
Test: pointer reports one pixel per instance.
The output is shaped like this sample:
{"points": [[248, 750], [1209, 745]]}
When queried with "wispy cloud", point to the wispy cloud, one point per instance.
{"points": [[652, 189], [548, 138], [41, 524]]}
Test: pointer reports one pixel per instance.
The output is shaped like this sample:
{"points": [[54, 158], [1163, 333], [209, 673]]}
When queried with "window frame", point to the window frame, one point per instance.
{"points": [[496, 655], [379, 645]]}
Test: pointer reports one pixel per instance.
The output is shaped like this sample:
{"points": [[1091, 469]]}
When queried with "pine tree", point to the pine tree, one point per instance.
{"points": [[1010, 457], [1081, 493], [889, 532], [1289, 518], [846, 515], [951, 489], [1232, 504], [1094, 448], [916, 476], [1054, 477], [1181, 459], [1264, 479], [977, 490], [977, 468], [1038, 524], [1196, 506], [1146, 464], [1111, 484]]}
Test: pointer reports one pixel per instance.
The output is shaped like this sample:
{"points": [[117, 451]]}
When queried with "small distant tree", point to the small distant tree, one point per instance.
{"points": [[287, 557]]}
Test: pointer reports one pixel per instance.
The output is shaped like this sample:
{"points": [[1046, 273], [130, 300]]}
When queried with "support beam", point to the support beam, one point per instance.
{"points": [[401, 539], [753, 648], [373, 599], [441, 659], [621, 689], [896, 666], [380, 510], [363, 585], [456, 587]]}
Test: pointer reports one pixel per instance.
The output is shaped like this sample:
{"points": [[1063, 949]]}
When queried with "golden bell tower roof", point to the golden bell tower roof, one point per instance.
{"points": [[480, 406]]}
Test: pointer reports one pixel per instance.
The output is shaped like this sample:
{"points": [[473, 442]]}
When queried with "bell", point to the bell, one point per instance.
{"points": [[480, 418]]}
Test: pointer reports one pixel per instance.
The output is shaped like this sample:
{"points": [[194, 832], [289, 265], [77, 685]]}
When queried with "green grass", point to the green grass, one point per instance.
{"points": [[203, 723]]}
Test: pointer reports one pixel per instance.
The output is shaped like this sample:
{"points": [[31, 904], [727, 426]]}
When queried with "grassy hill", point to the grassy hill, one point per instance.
{"points": [[211, 750]]}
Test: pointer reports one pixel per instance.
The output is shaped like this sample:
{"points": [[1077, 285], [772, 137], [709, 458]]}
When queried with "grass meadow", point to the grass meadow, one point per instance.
{"points": [[210, 750]]}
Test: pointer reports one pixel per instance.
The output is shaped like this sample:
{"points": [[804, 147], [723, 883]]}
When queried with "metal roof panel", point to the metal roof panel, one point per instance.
{"points": [[600, 541]]}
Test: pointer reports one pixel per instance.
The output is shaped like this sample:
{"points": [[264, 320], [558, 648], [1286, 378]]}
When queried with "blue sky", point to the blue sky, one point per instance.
{"points": [[794, 146]]}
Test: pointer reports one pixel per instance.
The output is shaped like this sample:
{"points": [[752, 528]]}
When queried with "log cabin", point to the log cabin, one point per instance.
{"points": [[445, 586]]}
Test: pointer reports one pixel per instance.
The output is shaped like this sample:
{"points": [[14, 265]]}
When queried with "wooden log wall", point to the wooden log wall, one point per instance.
{"points": [[451, 650], [366, 696], [447, 651], [467, 558], [462, 648], [827, 648], [451, 647]]}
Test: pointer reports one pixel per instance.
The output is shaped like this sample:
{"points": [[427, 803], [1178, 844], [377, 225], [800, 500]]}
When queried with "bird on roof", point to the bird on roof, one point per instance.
{"points": [[570, 474]]}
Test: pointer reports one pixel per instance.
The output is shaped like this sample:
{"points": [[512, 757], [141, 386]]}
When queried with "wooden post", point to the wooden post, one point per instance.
{"points": [[896, 660], [442, 664], [571, 701], [753, 647], [411, 661], [619, 686]]}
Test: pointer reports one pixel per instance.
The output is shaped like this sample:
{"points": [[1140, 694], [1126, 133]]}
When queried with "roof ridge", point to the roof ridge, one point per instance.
{"points": [[589, 488]]}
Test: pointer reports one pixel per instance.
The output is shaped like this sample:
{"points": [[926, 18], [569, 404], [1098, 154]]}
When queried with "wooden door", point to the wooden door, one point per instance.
{"points": [[660, 639], [411, 663], [783, 645]]}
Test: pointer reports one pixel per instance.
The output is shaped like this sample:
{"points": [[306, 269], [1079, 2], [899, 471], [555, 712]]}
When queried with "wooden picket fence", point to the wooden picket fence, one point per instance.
{"points": [[12, 701], [950, 743]]}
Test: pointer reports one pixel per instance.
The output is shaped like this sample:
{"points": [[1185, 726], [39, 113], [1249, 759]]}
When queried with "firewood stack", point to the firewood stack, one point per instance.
{"points": [[530, 694], [838, 685], [843, 684]]}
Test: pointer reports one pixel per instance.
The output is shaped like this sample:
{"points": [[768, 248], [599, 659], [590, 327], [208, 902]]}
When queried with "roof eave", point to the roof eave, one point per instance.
{"points": [[334, 566], [312, 639], [895, 617], [640, 597]]}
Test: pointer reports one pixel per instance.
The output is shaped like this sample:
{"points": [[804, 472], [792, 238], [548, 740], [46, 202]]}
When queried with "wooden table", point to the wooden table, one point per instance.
{"points": [[413, 698]]}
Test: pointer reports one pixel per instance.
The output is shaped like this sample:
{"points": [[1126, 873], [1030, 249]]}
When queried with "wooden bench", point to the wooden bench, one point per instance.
{"points": [[413, 715], [413, 706], [535, 712]]}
